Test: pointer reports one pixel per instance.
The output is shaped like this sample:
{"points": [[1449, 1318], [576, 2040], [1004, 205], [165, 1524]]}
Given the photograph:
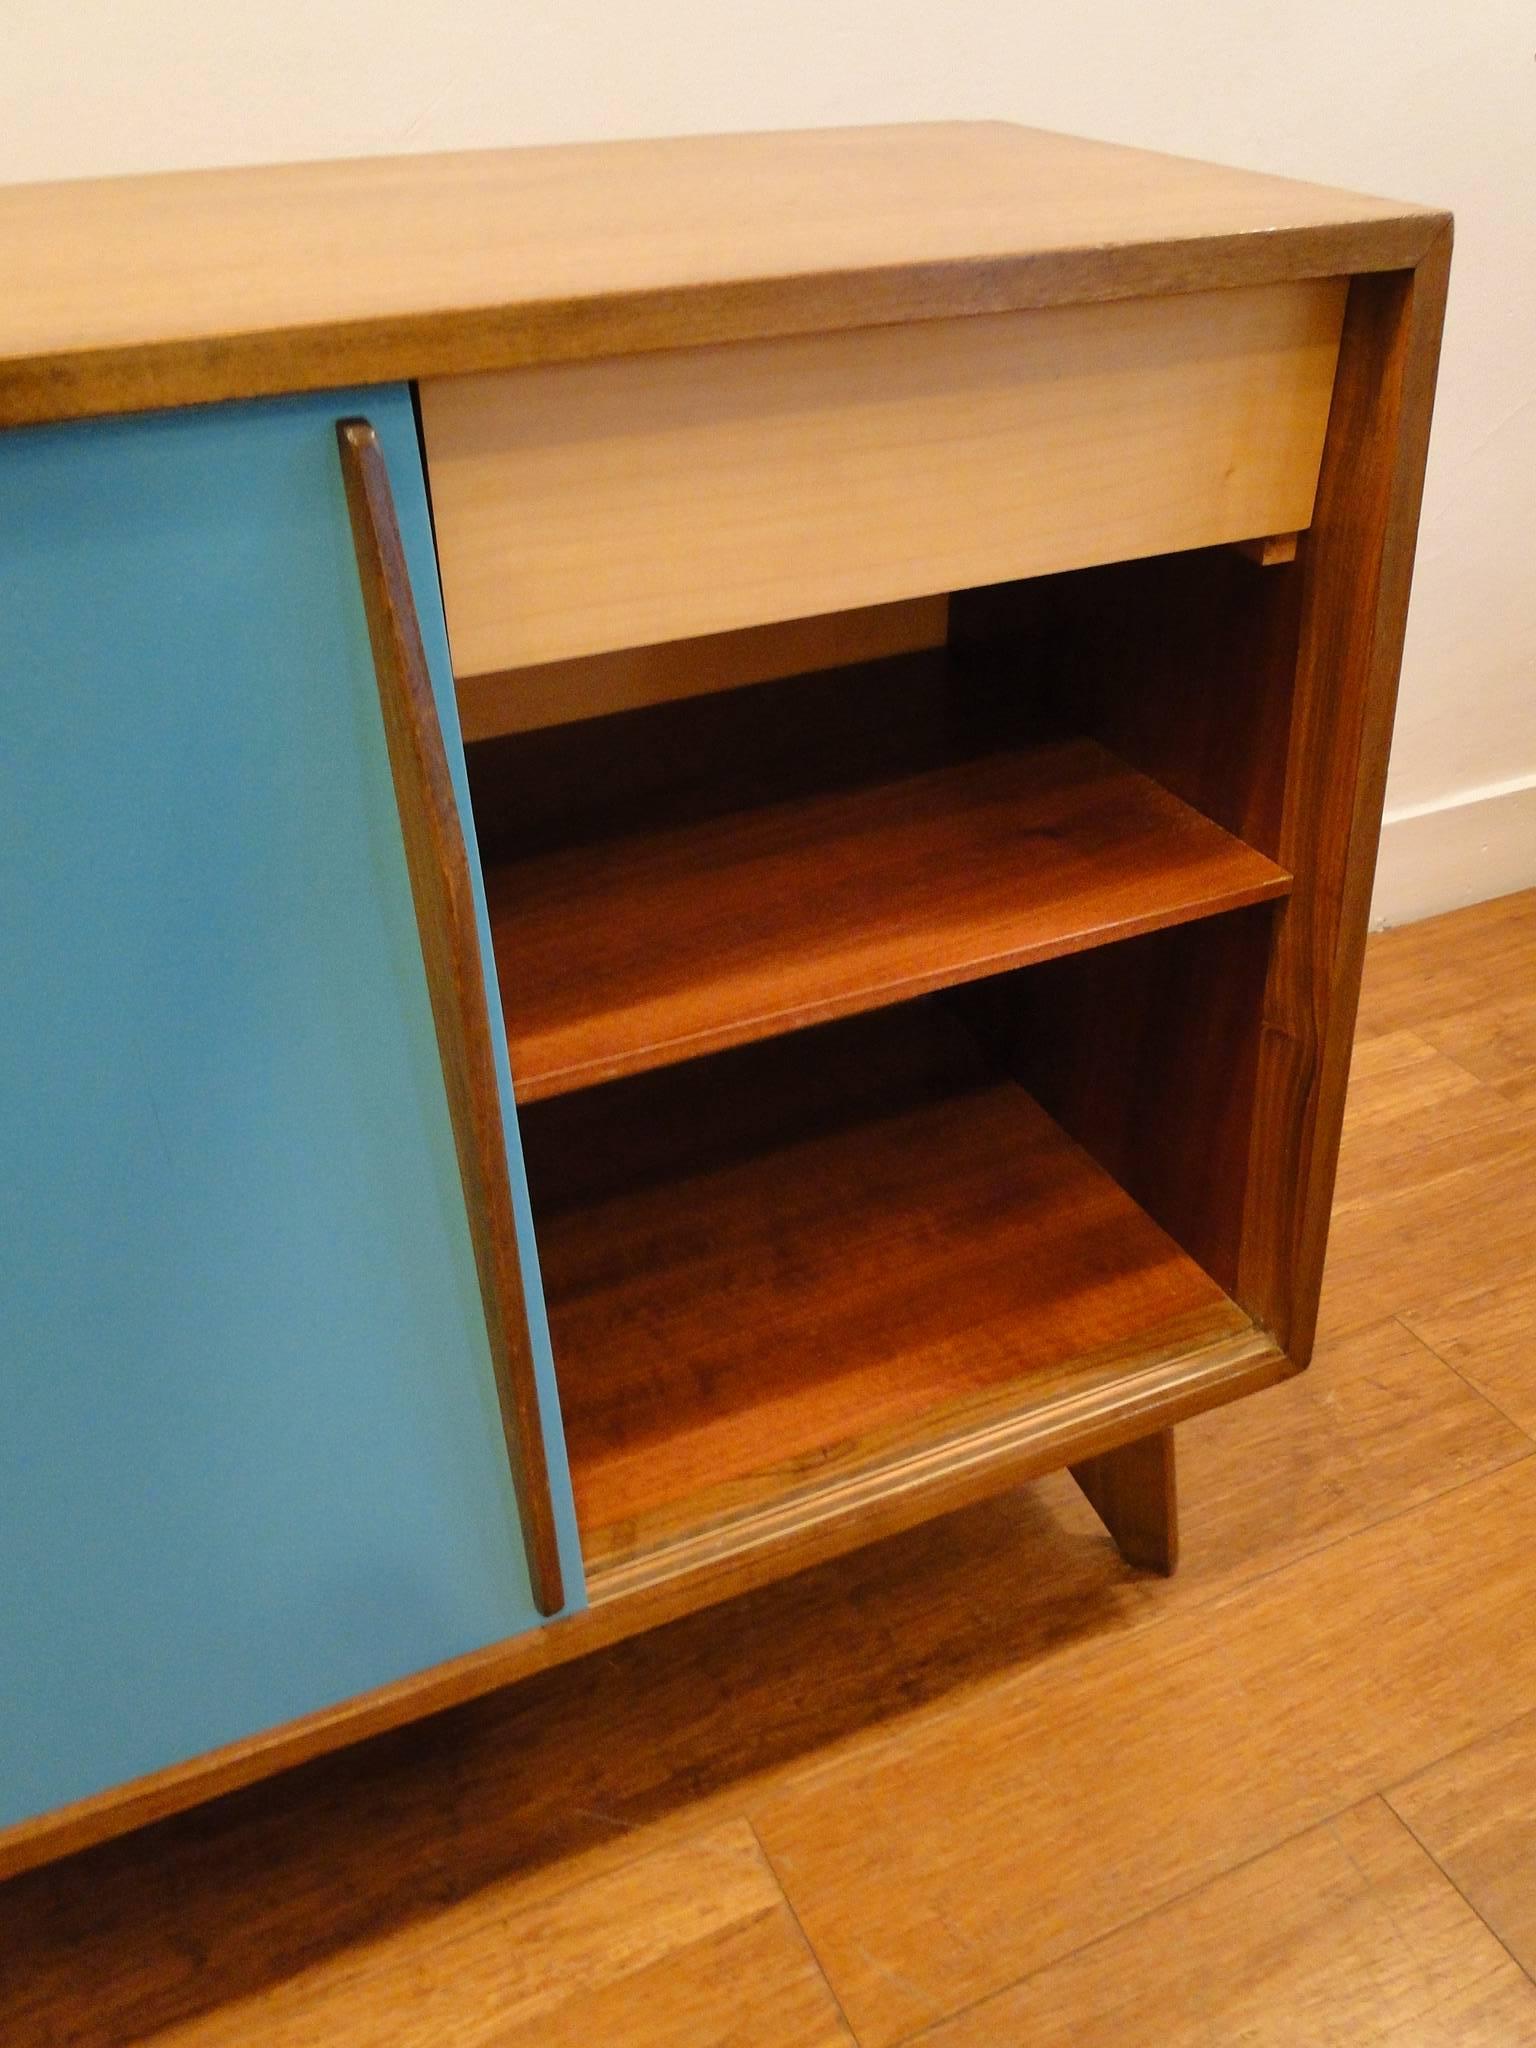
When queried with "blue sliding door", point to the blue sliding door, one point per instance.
{"points": [[250, 1452]]}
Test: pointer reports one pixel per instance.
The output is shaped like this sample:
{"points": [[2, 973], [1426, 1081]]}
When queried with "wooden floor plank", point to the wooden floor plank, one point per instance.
{"points": [[1490, 1338], [689, 1946], [1006, 1832], [1445, 964], [1495, 1039], [1468, 1226], [1476, 1815], [1412, 1114], [1466, 984], [1376, 1425], [1347, 1934], [1436, 1189]]}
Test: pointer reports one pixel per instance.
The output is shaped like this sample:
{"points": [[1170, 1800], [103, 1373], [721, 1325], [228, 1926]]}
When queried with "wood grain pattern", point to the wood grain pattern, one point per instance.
{"points": [[127, 293], [1417, 1118], [1487, 1337], [1475, 1812], [587, 506], [1357, 568], [1496, 1041], [690, 1944], [1420, 976], [1147, 1053], [1182, 665], [701, 1549], [674, 764], [1436, 1158], [1484, 955], [915, 1255], [438, 864], [1223, 1742], [635, 952], [1134, 1493], [1376, 1425], [597, 686], [1346, 1934]]}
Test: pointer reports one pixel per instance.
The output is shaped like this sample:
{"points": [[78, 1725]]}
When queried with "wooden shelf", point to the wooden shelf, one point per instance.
{"points": [[635, 952], [844, 1253]]}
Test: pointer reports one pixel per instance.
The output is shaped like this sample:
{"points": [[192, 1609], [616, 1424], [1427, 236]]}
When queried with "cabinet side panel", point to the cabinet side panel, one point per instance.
{"points": [[250, 1462], [1357, 567]]}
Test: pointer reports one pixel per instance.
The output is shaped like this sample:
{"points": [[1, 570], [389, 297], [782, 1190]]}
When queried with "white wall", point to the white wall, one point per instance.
{"points": [[1417, 98]]}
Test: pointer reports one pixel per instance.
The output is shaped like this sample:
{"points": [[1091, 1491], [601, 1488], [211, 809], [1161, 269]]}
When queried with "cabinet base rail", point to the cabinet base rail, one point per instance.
{"points": [[1116, 1438]]}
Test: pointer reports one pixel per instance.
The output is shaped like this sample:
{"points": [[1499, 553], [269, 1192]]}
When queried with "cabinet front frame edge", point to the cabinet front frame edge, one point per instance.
{"points": [[206, 369], [1358, 559]]}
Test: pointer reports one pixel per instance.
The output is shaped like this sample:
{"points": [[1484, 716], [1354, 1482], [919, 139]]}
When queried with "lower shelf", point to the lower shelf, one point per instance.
{"points": [[797, 1278]]}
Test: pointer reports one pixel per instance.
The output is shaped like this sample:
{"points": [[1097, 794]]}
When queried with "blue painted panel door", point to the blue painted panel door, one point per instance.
{"points": [[250, 1452]]}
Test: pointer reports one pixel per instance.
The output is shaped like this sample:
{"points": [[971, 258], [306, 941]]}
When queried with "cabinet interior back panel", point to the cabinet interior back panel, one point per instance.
{"points": [[582, 507]]}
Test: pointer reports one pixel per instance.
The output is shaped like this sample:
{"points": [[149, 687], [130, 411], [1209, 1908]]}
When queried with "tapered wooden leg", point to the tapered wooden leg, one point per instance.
{"points": [[1134, 1493]]}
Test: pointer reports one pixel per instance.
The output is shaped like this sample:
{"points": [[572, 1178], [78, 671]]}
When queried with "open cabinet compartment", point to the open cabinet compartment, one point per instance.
{"points": [[808, 1270], [884, 1041]]}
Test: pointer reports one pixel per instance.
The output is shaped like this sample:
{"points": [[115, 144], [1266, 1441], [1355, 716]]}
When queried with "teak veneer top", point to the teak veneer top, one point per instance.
{"points": [[177, 289]]}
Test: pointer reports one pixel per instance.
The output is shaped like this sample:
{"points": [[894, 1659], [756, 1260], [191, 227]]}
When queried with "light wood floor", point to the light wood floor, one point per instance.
{"points": [[983, 1785]]}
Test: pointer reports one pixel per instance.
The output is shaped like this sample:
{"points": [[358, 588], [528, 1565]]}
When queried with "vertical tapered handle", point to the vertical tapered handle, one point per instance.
{"points": [[438, 863]]}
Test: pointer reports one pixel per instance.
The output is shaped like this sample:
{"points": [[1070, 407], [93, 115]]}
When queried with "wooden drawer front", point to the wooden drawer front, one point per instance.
{"points": [[583, 507]]}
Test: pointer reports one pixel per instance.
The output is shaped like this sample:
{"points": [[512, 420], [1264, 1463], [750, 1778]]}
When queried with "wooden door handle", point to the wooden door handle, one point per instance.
{"points": [[441, 889]]}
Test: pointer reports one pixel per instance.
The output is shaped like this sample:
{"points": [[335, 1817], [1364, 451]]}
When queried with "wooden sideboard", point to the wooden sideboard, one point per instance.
{"points": [[685, 839]]}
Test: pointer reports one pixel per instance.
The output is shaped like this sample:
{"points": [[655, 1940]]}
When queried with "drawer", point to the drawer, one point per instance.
{"points": [[587, 507]]}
